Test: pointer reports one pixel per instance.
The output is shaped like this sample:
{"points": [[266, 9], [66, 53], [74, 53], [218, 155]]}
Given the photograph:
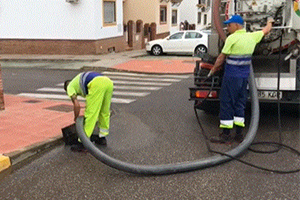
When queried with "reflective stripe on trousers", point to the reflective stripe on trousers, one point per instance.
{"points": [[238, 121]]}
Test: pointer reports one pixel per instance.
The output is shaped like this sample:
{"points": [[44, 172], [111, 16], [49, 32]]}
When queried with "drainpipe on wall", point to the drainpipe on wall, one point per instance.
{"points": [[213, 46], [1, 93]]}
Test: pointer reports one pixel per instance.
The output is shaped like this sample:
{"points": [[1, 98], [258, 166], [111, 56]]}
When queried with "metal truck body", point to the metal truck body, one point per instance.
{"points": [[277, 55]]}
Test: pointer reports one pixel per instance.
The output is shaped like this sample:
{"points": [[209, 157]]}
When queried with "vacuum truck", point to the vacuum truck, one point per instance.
{"points": [[275, 62]]}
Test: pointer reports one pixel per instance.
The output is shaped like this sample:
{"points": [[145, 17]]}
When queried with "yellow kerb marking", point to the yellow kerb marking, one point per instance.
{"points": [[4, 162]]}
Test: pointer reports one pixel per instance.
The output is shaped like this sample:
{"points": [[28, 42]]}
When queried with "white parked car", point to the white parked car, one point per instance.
{"points": [[183, 42]]}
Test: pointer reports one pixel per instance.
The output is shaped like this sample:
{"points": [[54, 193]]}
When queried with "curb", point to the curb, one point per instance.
{"points": [[18, 158], [48, 59], [29, 151]]}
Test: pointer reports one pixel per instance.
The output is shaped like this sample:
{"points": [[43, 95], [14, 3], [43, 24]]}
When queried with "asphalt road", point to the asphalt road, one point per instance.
{"points": [[160, 129], [17, 80]]}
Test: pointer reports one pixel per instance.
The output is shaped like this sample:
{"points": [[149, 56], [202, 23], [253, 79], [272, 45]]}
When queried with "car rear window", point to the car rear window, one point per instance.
{"points": [[192, 35]]}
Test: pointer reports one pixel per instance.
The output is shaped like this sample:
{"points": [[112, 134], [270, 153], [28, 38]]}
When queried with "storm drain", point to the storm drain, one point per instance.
{"points": [[69, 108], [188, 61], [61, 108], [32, 101]]}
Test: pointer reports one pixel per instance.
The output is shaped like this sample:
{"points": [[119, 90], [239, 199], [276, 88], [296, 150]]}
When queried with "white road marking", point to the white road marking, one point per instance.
{"points": [[135, 88], [144, 79], [65, 97], [125, 84], [146, 75], [141, 83], [60, 90]]}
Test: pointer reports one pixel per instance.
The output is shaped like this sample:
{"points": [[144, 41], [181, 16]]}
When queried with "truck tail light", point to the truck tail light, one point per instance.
{"points": [[206, 93]]}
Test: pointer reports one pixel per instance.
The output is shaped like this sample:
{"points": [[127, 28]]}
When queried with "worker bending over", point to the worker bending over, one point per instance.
{"points": [[237, 51], [97, 89]]}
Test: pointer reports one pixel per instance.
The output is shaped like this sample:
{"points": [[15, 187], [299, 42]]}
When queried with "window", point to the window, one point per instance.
{"points": [[205, 19], [176, 36], [199, 18], [109, 7], [193, 35], [174, 17], [163, 14], [208, 3]]}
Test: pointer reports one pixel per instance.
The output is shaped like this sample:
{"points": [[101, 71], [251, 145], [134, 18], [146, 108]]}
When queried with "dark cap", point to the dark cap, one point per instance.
{"points": [[235, 19]]}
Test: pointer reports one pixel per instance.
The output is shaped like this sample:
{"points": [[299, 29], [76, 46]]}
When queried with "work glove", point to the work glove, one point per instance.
{"points": [[270, 19]]}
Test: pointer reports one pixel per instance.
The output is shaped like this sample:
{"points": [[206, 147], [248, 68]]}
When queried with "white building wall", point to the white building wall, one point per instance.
{"points": [[188, 11], [56, 19]]}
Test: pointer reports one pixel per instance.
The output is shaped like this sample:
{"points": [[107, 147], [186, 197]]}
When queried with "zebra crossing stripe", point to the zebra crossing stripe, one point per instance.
{"points": [[48, 96], [132, 83], [65, 97], [60, 90], [47, 89], [119, 87], [146, 75], [144, 79], [141, 83], [135, 88], [137, 94]]}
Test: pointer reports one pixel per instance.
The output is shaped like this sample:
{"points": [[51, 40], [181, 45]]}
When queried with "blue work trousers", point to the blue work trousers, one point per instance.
{"points": [[233, 97]]}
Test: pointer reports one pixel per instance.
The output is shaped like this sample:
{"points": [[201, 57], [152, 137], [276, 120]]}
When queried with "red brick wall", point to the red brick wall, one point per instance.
{"points": [[162, 35], [1, 93], [71, 47]]}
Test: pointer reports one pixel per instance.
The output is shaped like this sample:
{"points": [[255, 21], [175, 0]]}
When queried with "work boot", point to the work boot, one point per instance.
{"points": [[239, 134], [78, 147], [224, 137], [98, 140]]}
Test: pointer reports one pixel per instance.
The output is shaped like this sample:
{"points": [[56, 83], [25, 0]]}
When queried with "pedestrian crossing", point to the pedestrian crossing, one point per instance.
{"points": [[128, 87]]}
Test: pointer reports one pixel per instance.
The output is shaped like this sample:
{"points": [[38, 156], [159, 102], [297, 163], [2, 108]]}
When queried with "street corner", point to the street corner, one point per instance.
{"points": [[4, 162]]}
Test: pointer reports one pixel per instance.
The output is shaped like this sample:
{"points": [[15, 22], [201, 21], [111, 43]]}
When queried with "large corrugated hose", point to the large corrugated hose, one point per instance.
{"points": [[177, 167]]}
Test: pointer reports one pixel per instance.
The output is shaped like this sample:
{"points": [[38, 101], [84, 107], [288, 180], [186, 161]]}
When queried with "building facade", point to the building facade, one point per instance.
{"points": [[153, 18], [61, 26], [81, 27]]}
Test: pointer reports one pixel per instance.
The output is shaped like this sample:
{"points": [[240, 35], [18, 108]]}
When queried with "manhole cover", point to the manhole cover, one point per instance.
{"points": [[61, 108], [32, 101]]}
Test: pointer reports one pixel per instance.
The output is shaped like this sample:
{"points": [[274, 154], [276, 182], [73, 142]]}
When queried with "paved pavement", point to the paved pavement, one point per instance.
{"points": [[30, 125]]}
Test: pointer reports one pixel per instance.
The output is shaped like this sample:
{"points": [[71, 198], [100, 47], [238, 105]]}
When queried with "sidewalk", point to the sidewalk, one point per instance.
{"points": [[31, 125]]}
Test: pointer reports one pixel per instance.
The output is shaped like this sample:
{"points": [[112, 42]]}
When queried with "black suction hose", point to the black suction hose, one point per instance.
{"points": [[177, 167], [279, 147]]}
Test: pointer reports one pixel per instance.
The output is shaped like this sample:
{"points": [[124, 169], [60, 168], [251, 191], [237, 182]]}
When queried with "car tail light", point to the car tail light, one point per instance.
{"points": [[206, 93]]}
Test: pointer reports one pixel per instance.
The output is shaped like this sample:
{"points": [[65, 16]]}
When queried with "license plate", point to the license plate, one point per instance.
{"points": [[269, 95]]}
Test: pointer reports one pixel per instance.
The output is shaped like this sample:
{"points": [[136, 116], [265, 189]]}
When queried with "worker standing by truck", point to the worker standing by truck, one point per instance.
{"points": [[237, 51], [97, 89]]}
